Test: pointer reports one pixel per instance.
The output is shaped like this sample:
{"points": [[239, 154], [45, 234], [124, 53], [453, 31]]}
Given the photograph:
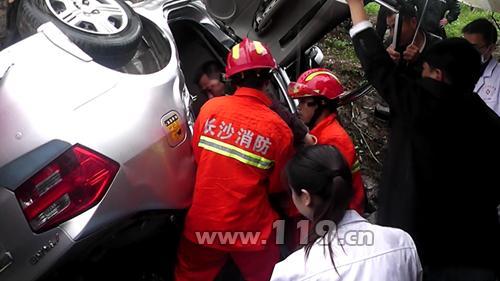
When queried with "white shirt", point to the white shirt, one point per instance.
{"points": [[357, 28], [389, 255], [488, 85]]}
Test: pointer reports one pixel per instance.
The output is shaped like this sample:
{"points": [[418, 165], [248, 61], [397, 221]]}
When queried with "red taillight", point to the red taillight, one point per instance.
{"points": [[68, 186]]}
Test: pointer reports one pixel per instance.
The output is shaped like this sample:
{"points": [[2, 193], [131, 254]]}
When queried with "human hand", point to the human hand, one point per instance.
{"points": [[310, 140], [443, 22], [411, 53], [395, 56]]}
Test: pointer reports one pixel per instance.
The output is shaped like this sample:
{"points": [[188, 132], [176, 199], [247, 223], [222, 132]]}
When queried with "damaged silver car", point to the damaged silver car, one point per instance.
{"points": [[97, 100]]}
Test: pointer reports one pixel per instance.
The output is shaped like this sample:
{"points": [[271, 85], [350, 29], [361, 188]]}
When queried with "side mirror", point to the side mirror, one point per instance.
{"points": [[315, 56]]}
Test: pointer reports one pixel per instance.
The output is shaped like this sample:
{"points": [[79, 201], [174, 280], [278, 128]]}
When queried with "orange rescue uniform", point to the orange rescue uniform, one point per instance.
{"points": [[329, 131], [241, 146]]}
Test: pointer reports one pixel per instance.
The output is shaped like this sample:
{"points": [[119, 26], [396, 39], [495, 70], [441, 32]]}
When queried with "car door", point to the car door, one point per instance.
{"points": [[288, 27]]}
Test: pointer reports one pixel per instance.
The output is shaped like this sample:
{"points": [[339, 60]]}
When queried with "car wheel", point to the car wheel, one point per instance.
{"points": [[108, 30]]}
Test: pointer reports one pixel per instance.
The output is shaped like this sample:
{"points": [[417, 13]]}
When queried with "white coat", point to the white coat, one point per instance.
{"points": [[389, 256], [488, 86]]}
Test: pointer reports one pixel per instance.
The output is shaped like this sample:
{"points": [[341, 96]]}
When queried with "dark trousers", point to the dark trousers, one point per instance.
{"points": [[459, 274]]}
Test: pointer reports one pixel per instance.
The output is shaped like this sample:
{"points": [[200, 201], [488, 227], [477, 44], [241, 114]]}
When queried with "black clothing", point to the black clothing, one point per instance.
{"points": [[485, 65], [414, 69], [440, 178], [299, 129], [381, 25], [436, 10], [459, 274]]}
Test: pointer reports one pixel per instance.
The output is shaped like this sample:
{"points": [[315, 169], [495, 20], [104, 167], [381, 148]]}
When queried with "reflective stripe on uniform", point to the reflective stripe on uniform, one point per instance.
{"points": [[234, 152], [236, 51], [356, 167]]}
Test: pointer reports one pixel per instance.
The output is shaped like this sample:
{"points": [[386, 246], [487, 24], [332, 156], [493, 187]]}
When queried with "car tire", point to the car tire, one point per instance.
{"points": [[112, 50]]}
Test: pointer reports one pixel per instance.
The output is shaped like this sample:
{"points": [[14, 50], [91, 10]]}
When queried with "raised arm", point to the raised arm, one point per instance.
{"points": [[358, 14], [379, 68]]}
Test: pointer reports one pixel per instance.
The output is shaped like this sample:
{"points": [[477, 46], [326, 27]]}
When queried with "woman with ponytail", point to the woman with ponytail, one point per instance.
{"points": [[341, 245]]}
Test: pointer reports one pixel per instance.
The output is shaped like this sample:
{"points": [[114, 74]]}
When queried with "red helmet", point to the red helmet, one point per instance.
{"points": [[317, 82], [248, 55]]}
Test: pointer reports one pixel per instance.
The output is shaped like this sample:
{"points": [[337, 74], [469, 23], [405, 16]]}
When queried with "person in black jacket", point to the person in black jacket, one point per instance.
{"points": [[412, 41], [381, 25], [438, 14], [411, 44], [440, 178]]}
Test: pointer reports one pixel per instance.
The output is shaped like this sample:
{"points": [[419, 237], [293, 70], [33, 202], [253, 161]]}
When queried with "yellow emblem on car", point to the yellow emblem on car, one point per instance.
{"points": [[173, 127]]}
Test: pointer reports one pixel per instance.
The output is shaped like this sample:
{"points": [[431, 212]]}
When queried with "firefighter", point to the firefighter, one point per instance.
{"points": [[317, 91], [240, 146]]}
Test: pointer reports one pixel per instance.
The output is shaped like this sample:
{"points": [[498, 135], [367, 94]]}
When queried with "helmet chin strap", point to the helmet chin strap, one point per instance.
{"points": [[317, 113]]}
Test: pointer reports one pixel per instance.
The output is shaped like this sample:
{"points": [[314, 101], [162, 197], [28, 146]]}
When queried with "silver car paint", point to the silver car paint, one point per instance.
{"points": [[17, 237], [51, 91]]}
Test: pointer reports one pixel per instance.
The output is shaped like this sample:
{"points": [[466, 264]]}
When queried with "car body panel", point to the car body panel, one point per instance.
{"points": [[293, 28], [50, 91], [32, 253]]}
